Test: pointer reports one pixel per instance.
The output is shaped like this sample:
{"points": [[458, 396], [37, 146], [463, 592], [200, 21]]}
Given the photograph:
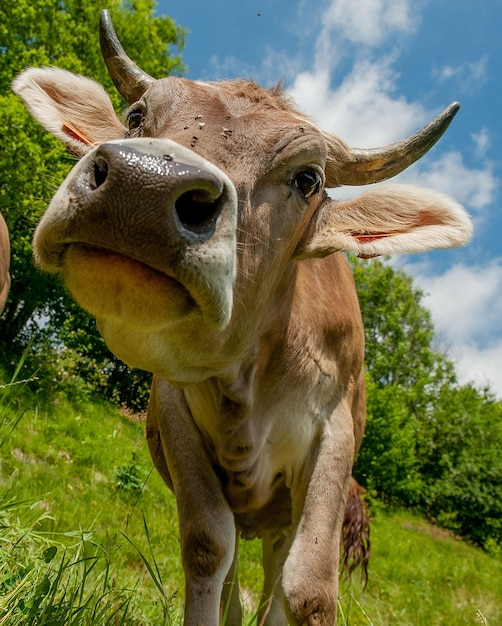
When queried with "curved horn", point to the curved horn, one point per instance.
{"points": [[377, 164], [131, 81]]}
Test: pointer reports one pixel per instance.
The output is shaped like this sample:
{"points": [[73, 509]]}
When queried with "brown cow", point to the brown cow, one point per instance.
{"points": [[201, 238], [4, 263]]}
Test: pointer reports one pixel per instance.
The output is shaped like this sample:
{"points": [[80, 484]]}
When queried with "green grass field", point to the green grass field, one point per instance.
{"points": [[89, 535]]}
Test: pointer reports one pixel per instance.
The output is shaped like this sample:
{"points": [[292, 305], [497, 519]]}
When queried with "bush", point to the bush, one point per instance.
{"points": [[130, 476], [459, 451]]}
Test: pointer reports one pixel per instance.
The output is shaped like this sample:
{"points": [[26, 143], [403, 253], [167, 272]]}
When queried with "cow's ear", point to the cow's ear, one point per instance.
{"points": [[389, 219], [73, 108]]}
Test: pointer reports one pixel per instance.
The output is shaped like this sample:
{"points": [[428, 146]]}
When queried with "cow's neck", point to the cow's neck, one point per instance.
{"points": [[233, 408]]}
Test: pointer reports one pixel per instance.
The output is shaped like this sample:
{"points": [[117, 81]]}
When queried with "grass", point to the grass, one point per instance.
{"points": [[78, 478], [420, 574], [88, 535]]}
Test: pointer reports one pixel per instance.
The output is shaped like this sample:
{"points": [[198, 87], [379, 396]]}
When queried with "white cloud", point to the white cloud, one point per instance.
{"points": [[469, 75], [229, 66], [481, 143], [466, 306], [483, 366], [475, 291], [369, 22], [364, 108], [475, 188]]}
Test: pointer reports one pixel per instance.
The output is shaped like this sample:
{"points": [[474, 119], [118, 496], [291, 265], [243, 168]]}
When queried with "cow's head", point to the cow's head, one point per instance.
{"points": [[179, 229]]}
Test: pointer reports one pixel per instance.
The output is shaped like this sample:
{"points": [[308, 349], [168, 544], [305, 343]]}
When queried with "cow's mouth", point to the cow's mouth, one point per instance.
{"points": [[112, 286]]}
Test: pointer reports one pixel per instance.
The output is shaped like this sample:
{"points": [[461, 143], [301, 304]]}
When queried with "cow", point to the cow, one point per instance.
{"points": [[201, 237], [4, 263]]}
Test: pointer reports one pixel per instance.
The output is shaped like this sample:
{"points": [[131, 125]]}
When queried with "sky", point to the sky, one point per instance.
{"points": [[373, 72]]}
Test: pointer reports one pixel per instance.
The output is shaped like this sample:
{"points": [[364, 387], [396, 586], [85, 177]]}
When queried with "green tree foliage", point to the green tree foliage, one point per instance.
{"points": [[65, 33], [404, 373], [459, 452], [430, 443], [62, 33]]}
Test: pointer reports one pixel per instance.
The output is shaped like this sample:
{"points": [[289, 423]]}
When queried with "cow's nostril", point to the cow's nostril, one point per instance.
{"points": [[197, 211], [100, 172]]}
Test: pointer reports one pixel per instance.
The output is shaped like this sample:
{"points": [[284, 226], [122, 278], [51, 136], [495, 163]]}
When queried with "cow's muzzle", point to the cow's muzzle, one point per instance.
{"points": [[188, 195], [155, 203]]}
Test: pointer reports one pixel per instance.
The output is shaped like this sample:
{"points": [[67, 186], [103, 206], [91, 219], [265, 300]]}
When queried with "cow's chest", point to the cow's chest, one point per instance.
{"points": [[260, 452]]}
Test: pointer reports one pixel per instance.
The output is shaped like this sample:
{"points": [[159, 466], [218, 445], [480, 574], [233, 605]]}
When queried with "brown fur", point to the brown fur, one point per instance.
{"points": [[356, 532], [4, 263]]}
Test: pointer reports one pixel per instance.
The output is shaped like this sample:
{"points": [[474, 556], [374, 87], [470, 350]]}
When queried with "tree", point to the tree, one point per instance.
{"points": [[32, 163], [458, 448], [404, 374], [430, 443], [65, 33]]}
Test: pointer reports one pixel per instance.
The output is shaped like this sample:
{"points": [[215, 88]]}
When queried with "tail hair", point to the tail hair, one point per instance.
{"points": [[356, 532]]}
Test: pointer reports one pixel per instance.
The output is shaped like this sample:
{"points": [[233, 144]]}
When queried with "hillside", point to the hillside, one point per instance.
{"points": [[90, 531]]}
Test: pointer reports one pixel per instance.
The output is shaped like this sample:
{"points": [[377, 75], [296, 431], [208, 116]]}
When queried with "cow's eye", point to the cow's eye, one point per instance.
{"points": [[135, 118], [307, 182]]}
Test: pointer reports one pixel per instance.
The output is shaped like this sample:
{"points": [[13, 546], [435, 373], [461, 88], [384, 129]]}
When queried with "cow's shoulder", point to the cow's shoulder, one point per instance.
{"points": [[326, 309]]}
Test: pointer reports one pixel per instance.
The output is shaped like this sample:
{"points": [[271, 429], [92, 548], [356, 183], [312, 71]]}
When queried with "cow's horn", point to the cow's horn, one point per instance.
{"points": [[377, 164], [131, 81]]}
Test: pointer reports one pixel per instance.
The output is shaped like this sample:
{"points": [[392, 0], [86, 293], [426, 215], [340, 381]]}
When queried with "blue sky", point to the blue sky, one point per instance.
{"points": [[373, 71]]}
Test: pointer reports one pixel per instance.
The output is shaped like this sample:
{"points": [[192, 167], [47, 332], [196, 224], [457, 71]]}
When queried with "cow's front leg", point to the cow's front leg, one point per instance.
{"points": [[310, 576], [207, 527]]}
